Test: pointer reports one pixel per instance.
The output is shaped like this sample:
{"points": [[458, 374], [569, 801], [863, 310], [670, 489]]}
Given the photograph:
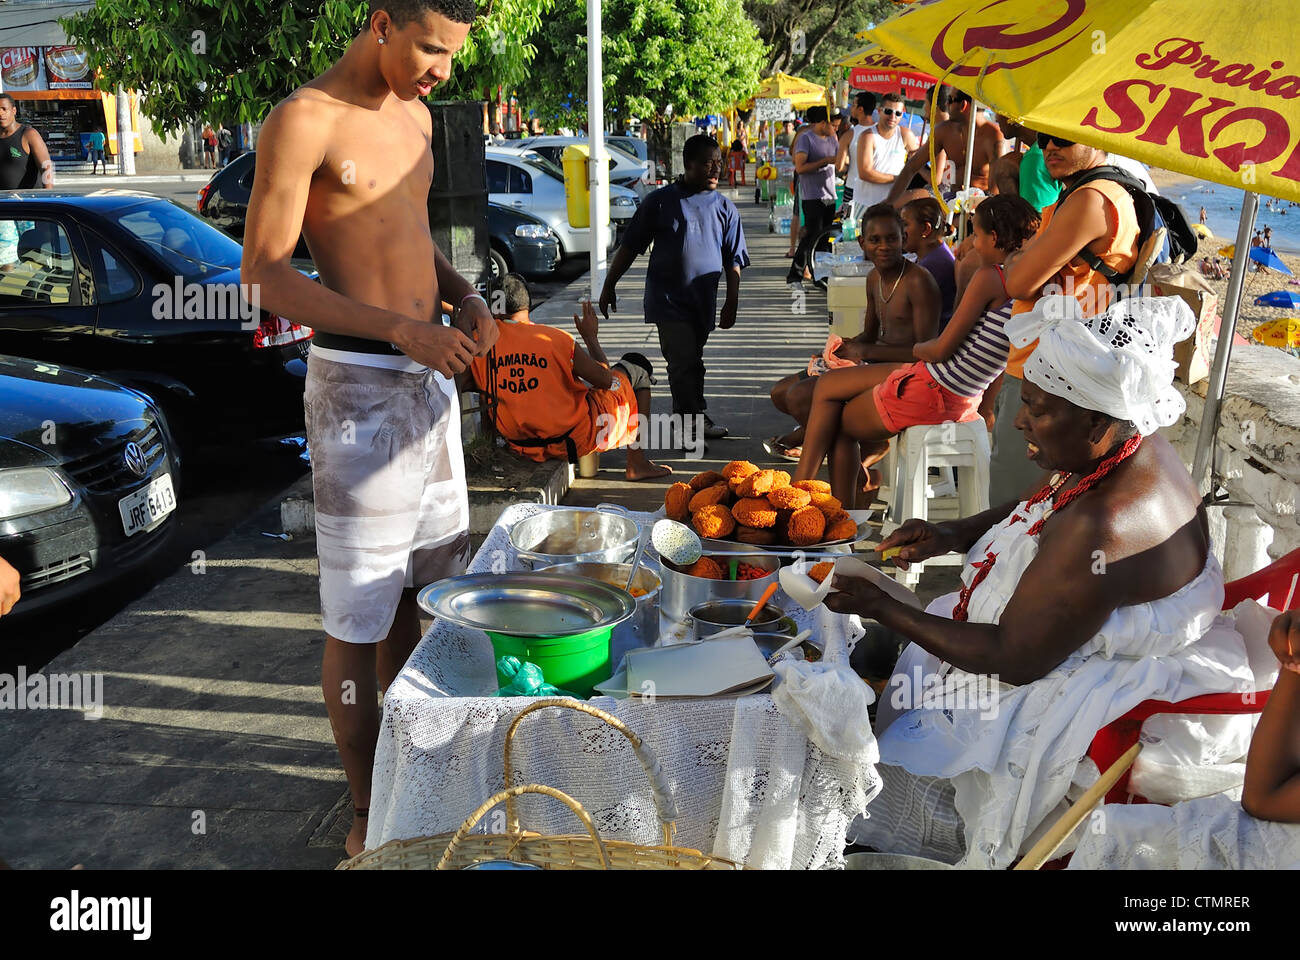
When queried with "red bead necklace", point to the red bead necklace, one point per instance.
{"points": [[985, 566]]}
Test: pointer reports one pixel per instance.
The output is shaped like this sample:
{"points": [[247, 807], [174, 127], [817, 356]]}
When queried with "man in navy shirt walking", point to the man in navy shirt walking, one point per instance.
{"points": [[698, 240]]}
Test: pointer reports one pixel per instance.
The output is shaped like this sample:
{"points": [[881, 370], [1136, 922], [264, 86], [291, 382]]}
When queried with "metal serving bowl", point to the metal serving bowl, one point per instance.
{"points": [[574, 536], [771, 627], [682, 592], [643, 629]]}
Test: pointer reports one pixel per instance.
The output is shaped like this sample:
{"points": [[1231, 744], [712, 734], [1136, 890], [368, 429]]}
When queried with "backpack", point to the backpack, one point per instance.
{"points": [[1165, 234], [225, 138]]}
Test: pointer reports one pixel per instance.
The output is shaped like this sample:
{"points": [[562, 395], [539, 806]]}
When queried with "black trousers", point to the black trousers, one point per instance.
{"points": [[682, 343], [817, 216]]}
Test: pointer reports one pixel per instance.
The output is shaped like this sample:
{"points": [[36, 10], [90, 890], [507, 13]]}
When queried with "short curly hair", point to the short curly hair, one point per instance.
{"points": [[1009, 218], [404, 11]]}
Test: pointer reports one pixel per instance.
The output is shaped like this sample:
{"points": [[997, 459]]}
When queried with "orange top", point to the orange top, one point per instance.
{"points": [[539, 396], [1093, 291]]}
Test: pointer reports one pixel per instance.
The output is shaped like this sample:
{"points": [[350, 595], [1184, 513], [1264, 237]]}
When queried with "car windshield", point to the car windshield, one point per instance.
{"points": [[539, 162], [186, 244]]}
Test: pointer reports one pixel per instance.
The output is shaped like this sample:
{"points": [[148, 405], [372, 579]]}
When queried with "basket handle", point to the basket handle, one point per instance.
{"points": [[665, 806], [508, 796]]}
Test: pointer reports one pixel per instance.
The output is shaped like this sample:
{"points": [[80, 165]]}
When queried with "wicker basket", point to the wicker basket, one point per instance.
{"points": [[584, 851]]}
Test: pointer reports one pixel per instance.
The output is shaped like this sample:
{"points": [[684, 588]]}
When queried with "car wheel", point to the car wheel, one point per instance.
{"points": [[498, 265]]}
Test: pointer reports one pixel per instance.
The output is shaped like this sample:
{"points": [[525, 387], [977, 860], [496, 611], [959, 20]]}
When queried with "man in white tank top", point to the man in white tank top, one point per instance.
{"points": [[881, 153]]}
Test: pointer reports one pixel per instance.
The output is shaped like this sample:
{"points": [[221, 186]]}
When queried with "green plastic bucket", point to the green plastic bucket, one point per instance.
{"points": [[575, 663]]}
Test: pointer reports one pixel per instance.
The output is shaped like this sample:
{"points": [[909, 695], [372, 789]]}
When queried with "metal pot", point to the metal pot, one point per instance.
{"points": [[643, 629], [771, 627], [682, 592], [564, 535]]}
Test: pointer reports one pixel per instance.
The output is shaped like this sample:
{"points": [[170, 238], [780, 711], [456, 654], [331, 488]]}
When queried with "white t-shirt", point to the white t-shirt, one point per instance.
{"points": [[851, 180]]}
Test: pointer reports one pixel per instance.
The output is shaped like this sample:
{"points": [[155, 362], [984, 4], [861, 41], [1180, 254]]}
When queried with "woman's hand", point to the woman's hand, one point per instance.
{"points": [[917, 540], [1284, 638], [855, 595]]}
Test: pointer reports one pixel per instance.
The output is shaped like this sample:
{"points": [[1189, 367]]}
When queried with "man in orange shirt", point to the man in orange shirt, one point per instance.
{"points": [[539, 379], [1100, 217]]}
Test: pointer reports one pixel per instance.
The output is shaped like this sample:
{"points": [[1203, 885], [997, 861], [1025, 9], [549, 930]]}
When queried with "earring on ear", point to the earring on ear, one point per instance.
{"points": [[382, 41]]}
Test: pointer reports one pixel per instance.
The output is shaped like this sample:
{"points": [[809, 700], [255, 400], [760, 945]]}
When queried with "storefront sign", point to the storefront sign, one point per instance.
{"points": [[38, 69]]}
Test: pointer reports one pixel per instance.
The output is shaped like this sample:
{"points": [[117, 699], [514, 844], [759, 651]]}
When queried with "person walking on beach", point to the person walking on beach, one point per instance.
{"points": [[346, 161], [698, 240], [1204, 216]]}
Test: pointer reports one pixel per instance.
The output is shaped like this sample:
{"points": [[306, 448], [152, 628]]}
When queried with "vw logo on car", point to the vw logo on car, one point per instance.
{"points": [[135, 460]]}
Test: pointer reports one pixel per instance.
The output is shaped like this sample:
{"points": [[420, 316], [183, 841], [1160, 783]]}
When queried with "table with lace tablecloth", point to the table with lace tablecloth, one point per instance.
{"points": [[748, 785]]}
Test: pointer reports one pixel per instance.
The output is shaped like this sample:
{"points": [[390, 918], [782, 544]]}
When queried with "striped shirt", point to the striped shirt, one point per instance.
{"points": [[980, 357]]}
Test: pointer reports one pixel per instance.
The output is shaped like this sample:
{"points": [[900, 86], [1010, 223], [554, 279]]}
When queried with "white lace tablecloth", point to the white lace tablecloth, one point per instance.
{"points": [[748, 785]]}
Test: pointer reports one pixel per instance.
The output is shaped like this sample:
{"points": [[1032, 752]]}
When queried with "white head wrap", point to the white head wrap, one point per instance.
{"points": [[1119, 362]]}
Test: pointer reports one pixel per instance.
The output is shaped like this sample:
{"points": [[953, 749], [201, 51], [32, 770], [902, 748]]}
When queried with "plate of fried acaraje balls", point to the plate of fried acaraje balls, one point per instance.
{"points": [[763, 508]]}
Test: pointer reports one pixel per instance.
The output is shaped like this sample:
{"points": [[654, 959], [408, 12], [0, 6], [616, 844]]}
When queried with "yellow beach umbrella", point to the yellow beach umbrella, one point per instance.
{"points": [[1282, 332], [1229, 251], [1201, 230], [1174, 83], [801, 93]]}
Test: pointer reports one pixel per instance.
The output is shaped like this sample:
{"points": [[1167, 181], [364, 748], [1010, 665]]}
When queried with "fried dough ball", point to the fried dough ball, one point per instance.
{"points": [[789, 498], [820, 571], [738, 486], [780, 479], [813, 486], [708, 497], [751, 535], [754, 512], [841, 529], [677, 501], [713, 522], [826, 503], [738, 468], [835, 516], [807, 526], [706, 479], [707, 568]]}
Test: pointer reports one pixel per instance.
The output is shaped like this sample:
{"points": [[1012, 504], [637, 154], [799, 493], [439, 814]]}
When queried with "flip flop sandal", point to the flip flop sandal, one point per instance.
{"points": [[776, 448]]}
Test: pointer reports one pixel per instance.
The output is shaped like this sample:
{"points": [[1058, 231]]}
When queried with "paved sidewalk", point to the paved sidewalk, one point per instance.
{"points": [[214, 750]]}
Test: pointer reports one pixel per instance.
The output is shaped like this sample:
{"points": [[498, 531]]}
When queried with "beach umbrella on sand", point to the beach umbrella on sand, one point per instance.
{"points": [[1174, 83], [1229, 251], [1283, 332], [1266, 257], [1279, 298], [1202, 230]]}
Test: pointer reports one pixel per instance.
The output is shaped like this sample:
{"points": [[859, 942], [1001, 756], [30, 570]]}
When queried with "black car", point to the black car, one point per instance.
{"points": [[143, 292], [520, 243], [87, 480], [224, 200]]}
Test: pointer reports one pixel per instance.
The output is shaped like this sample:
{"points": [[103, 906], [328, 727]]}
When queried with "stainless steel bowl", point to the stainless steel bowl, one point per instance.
{"points": [[574, 536], [682, 592], [643, 629], [771, 627]]}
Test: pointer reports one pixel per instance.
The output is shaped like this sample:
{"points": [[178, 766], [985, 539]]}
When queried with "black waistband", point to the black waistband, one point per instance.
{"points": [[335, 341]]}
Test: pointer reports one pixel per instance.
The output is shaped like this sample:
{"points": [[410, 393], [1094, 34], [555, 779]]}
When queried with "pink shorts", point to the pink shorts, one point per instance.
{"points": [[911, 397]]}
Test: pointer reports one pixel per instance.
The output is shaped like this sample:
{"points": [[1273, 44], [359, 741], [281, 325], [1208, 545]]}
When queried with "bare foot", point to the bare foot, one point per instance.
{"points": [[356, 841], [871, 486], [646, 471]]}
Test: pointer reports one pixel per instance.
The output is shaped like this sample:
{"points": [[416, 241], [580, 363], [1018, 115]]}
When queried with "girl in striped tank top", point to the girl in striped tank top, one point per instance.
{"points": [[952, 371]]}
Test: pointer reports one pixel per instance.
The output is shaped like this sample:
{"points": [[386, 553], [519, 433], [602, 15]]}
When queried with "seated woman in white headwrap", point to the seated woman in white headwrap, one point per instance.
{"points": [[1096, 593], [1260, 832]]}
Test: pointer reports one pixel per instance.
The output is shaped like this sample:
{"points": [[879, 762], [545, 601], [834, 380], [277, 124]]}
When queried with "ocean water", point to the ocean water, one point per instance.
{"points": [[1223, 205]]}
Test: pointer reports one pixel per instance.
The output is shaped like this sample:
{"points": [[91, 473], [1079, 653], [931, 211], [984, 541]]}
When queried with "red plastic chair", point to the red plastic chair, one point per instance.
{"points": [[1114, 739]]}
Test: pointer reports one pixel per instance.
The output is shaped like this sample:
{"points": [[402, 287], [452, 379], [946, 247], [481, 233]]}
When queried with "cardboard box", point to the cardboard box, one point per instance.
{"points": [[1194, 354]]}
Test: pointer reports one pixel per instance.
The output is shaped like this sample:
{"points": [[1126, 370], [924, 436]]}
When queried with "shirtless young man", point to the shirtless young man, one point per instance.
{"points": [[886, 327], [347, 160], [903, 302], [950, 147]]}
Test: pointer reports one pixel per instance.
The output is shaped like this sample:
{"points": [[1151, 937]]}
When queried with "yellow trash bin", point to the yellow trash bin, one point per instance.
{"points": [[576, 194]]}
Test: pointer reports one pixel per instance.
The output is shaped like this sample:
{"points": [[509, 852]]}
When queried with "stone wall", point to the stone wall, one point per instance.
{"points": [[1257, 456]]}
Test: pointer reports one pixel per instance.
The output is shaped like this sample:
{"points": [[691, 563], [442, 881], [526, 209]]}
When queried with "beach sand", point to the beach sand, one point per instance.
{"points": [[1257, 284]]}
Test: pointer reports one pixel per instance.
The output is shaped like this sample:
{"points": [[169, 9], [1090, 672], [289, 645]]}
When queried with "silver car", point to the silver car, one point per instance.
{"points": [[525, 180]]}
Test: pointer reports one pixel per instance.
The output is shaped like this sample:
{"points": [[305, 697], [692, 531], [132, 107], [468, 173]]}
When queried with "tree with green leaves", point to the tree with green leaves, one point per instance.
{"points": [[804, 37], [660, 58], [235, 59]]}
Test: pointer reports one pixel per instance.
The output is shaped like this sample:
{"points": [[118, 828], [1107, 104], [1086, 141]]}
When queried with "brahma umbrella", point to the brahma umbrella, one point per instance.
{"points": [[1183, 84], [1279, 298], [1267, 258]]}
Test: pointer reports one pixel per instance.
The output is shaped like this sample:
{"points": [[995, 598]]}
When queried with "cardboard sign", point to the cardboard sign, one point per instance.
{"points": [[1194, 354], [773, 108]]}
